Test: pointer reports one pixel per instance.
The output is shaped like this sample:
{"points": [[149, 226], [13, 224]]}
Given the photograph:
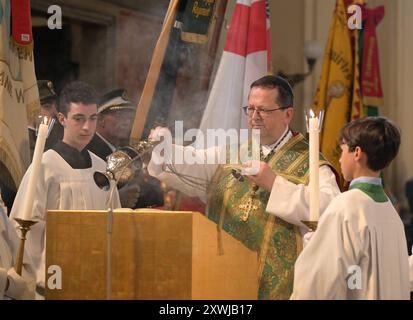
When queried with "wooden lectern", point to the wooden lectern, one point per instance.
{"points": [[155, 255]]}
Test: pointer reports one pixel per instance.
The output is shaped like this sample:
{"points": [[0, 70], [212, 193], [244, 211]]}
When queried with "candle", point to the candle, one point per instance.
{"points": [[313, 130], [34, 171]]}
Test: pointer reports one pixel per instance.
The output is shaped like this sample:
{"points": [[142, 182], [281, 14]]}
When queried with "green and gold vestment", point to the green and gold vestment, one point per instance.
{"points": [[277, 242]]}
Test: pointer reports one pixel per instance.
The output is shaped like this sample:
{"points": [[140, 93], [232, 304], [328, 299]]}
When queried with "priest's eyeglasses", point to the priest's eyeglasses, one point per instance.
{"points": [[249, 111]]}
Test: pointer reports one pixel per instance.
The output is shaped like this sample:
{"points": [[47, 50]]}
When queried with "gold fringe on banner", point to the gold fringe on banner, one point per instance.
{"points": [[26, 49]]}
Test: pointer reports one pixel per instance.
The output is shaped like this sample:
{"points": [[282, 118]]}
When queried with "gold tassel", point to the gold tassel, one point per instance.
{"points": [[26, 49], [220, 245]]}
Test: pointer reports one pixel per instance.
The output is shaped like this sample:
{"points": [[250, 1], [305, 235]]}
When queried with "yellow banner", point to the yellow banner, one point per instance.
{"points": [[334, 93]]}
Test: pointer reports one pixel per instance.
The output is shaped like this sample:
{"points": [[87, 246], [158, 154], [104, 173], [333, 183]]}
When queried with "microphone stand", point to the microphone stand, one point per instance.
{"points": [[109, 228]]}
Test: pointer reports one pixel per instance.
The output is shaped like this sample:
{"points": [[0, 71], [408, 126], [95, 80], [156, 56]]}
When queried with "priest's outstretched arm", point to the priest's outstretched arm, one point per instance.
{"points": [[198, 170]]}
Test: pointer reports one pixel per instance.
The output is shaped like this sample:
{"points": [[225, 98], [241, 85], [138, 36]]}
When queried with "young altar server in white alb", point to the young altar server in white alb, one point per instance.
{"points": [[359, 250], [66, 173], [12, 285]]}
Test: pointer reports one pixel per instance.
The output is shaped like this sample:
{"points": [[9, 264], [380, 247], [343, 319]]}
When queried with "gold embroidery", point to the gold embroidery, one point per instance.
{"points": [[220, 245], [248, 207], [269, 226]]}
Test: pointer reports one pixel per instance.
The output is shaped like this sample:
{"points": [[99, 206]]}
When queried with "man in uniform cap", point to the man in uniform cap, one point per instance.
{"points": [[48, 108], [115, 118], [48, 98]]}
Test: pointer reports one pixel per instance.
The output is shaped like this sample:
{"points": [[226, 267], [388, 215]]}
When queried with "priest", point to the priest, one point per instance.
{"points": [[263, 210]]}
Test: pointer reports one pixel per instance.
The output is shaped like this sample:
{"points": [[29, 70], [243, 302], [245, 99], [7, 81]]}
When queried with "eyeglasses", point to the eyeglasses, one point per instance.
{"points": [[249, 111]]}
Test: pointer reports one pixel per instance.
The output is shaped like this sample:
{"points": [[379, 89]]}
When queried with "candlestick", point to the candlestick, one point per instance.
{"points": [[24, 226]]}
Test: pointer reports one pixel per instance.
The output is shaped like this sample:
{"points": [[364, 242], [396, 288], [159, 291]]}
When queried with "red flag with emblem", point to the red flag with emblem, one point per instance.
{"points": [[246, 57]]}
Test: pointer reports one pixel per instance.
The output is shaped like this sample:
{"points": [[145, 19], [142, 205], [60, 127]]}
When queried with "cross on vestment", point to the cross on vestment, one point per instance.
{"points": [[247, 208]]}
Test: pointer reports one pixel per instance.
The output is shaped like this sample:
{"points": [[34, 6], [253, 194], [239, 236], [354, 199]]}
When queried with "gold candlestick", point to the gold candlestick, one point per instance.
{"points": [[24, 226]]}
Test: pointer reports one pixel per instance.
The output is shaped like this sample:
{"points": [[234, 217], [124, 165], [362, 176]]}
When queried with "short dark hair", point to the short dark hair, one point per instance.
{"points": [[377, 137], [285, 97], [76, 92]]}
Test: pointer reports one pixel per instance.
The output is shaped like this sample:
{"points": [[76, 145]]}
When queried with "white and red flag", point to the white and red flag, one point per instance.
{"points": [[246, 57]]}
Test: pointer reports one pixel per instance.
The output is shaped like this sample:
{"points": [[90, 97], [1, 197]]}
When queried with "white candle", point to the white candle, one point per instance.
{"points": [[34, 171], [314, 167]]}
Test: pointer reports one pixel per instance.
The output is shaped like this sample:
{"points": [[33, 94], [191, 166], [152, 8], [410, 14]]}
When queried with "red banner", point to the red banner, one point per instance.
{"points": [[21, 22], [370, 72]]}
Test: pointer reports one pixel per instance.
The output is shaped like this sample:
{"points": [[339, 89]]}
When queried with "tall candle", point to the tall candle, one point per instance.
{"points": [[314, 167], [35, 170]]}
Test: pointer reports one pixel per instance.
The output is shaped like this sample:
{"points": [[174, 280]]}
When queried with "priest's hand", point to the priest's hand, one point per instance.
{"points": [[161, 134], [259, 173], [18, 287]]}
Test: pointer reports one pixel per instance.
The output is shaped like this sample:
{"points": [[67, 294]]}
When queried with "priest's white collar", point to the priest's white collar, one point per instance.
{"points": [[111, 146], [266, 148], [370, 180]]}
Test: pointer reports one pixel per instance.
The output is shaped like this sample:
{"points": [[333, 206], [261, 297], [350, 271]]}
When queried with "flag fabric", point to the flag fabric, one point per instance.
{"points": [[22, 26], [350, 86], [372, 92], [246, 57], [18, 91], [338, 91]]}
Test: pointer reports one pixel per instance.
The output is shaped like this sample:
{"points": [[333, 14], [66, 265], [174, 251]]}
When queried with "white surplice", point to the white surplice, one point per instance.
{"points": [[359, 251], [60, 187]]}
